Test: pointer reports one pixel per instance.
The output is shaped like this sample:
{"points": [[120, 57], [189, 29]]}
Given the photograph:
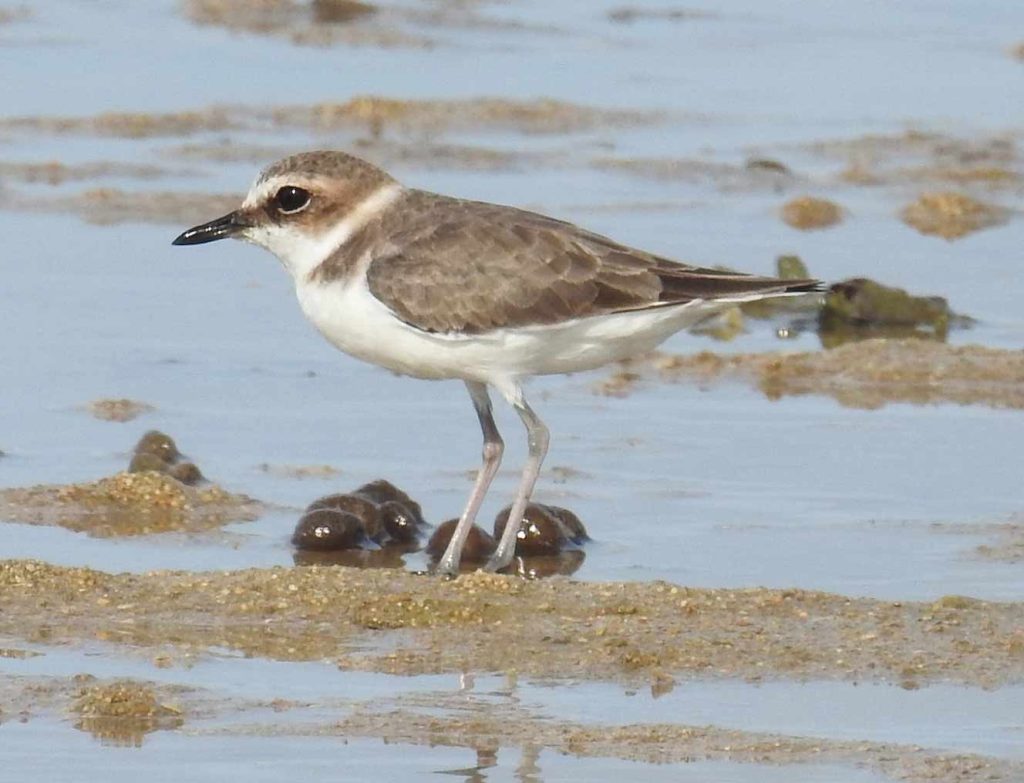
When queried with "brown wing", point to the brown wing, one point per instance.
{"points": [[471, 267]]}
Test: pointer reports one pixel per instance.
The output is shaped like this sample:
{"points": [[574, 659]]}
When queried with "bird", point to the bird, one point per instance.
{"points": [[438, 287]]}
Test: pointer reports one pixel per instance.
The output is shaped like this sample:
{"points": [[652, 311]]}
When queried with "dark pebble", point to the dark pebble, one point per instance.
{"points": [[399, 522], [186, 473], [479, 545], [159, 445], [145, 461], [541, 532], [340, 11], [382, 490], [574, 529], [326, 529], [362, 508]]}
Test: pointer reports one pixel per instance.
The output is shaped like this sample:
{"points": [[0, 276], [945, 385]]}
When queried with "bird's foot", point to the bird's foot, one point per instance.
{"points": [[496, 563], [445, 569]]}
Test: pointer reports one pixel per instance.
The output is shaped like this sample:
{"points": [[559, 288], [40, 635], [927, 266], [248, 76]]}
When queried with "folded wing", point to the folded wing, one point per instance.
{"points": [[471, 267]]}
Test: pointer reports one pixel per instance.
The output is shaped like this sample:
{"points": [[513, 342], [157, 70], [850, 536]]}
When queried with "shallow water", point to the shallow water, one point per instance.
{"points": [[706, 488], [948, 717], [211, 758]]}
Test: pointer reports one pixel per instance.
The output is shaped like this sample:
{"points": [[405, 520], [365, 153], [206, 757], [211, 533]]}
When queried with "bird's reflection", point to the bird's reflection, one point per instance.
{"points": [[526, 771]]}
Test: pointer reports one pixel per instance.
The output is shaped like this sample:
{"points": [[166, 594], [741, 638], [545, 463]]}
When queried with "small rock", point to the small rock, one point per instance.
{"points": [[399, 522], [340, 11], [865, 301], [160, 445], [381, 491], [807, 213], [186, 473], [545, 530], [574, 528], [767, 164], [141, 463], [365, 510], [325, 529], [479, 545]]}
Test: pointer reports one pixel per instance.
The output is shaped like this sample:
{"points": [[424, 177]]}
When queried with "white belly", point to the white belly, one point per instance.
{"points": [[355, 321]]}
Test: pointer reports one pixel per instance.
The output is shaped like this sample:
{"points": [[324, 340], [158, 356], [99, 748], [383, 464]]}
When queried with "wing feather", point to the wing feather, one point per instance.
{"points": [[466, 266]]}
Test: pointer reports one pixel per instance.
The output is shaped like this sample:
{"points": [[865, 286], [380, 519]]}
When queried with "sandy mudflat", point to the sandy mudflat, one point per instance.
{"points": [[866, 374], [557, 627]]}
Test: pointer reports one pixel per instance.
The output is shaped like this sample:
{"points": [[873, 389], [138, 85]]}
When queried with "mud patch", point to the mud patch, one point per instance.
{"points": [[724, 176], [402, 623], [952, 215], [807, 213], [128, 504], [543, 115], [630, 14], [110, 206], [867, 374], [916, 157], [352, 23], [1007, 545], [57, 173], [301, 471], [383, 152], [136, 125], [321, 23], [117, 409]]}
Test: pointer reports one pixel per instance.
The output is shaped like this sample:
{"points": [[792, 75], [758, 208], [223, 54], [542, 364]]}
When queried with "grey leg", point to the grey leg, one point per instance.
{"points": [[494, 447], [537, 440]]}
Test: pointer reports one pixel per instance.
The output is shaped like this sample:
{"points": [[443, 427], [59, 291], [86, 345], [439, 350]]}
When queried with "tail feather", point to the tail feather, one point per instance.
{"points": [[712, 284]]}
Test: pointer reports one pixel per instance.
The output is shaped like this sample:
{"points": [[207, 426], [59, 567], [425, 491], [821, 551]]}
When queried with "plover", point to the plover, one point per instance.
{"points": [[438, 287]]}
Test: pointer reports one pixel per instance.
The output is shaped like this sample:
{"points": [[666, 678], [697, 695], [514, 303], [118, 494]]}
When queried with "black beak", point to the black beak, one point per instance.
{"points": [[221, 228]]}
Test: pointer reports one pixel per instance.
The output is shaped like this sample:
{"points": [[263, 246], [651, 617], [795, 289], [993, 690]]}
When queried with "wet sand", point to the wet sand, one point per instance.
{"points": [[128, 504], [867, 374], [558, 628]]}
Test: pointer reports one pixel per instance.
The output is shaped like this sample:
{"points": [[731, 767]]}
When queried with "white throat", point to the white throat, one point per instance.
{"points": [[302, 252]]}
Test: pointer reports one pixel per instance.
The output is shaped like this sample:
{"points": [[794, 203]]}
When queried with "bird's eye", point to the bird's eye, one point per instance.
{"points": [[291, 199]]}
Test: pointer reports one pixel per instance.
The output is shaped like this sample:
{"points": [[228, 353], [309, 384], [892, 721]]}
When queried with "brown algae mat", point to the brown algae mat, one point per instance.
{"points": [[127, 504], [866, 374], [404, 623], [365, 112]]}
